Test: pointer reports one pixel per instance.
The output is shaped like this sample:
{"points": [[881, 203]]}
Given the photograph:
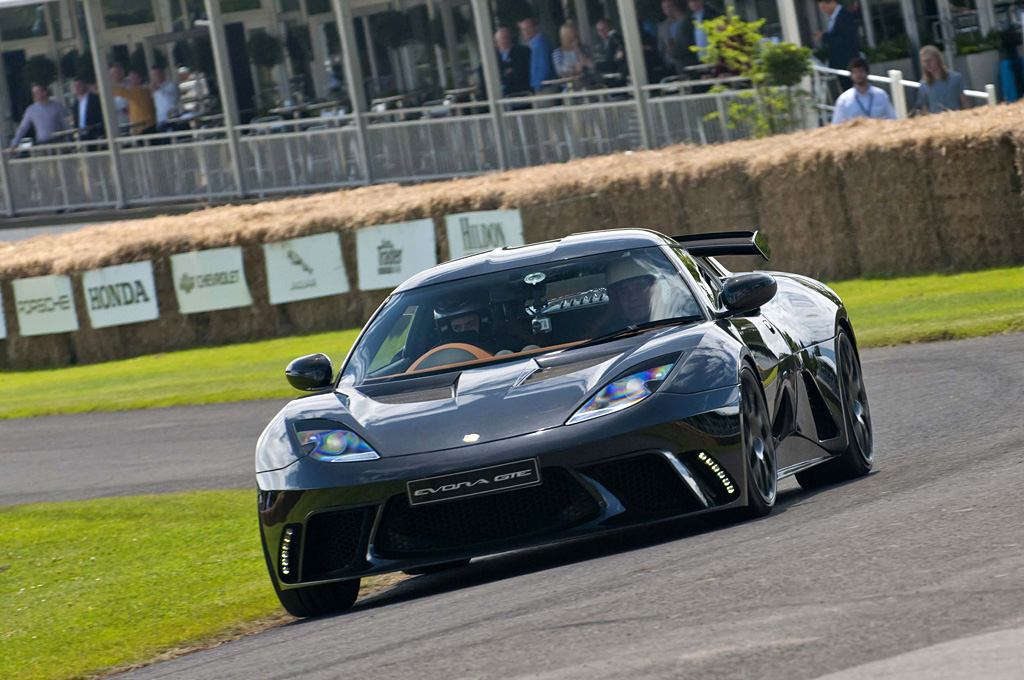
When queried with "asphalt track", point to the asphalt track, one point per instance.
{"points": [[916, 571]]}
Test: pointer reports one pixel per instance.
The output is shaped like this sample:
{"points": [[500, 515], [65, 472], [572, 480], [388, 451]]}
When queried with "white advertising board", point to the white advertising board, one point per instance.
{"points": [[476, 232], [119, 295], [208, 280], [45, 305], [388, 254], [305, 268], [3, 321]]}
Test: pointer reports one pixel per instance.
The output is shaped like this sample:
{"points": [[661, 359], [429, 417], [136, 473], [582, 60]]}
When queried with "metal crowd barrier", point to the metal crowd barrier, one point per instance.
{"points": [[439, 141]]}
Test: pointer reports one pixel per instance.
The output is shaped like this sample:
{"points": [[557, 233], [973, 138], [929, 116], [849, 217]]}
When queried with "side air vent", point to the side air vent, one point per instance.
{"points": [[823, 420]]}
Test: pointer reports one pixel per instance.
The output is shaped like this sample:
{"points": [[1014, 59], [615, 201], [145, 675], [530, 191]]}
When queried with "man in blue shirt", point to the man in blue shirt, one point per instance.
{"points": [[541, 66], [863, 100]]}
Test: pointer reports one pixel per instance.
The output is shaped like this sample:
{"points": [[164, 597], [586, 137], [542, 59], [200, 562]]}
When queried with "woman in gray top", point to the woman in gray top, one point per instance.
{"points": [[941, 89]]}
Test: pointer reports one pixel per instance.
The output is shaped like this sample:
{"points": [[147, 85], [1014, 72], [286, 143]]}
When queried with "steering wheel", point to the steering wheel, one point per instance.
{"points": [[445, 355]]}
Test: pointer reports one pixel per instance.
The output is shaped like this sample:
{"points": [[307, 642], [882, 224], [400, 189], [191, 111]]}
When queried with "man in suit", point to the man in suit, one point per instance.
{"points": [[668, 31], [691, 35], [513, 63], [87, 111], [840, 38]]}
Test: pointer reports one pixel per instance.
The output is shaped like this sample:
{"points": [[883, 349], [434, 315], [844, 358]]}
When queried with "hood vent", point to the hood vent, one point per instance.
{"points": [[412, 390]]}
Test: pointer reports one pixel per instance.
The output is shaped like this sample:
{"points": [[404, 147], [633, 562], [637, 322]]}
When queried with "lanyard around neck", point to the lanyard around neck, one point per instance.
{"points": [[870, 95]]}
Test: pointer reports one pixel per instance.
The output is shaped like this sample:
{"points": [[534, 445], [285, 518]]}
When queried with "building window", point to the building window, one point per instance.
{"points": [[117, 13], [227, 6], [20, 23], [318, 7]]}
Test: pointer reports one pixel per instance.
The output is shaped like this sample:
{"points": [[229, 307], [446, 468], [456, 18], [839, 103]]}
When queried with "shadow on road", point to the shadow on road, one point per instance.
{"points": [[531, 560]]}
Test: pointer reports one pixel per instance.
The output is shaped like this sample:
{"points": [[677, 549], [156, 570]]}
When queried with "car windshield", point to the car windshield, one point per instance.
{"points": [[491, 317]]}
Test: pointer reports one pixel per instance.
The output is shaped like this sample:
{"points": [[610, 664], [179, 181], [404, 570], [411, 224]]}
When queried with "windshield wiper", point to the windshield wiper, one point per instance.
{"points": [[637, 328]]}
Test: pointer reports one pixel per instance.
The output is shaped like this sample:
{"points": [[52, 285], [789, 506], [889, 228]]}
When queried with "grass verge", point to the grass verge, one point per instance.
{"points": [[884, 312], [104, 584]]}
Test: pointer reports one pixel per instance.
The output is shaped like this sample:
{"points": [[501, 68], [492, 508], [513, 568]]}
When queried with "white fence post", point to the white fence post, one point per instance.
{"points": [[5, 182], [226, 87], [990, 90], [899, 96], [354, 78], [630, 26], [93, 24]]}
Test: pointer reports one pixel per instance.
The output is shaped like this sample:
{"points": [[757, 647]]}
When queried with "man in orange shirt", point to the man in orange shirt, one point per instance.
{"points": [[141, 110]]}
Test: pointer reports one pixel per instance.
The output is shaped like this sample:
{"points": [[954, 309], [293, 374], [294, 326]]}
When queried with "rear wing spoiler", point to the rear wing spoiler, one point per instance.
{"points": [[717, 243]]}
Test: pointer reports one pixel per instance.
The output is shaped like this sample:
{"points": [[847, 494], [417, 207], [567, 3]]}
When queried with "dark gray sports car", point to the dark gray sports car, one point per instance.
{"points": [[540, 393]]}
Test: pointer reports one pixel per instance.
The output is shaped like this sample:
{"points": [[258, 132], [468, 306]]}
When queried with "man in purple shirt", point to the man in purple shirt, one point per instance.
{"points": [[45, 116]]}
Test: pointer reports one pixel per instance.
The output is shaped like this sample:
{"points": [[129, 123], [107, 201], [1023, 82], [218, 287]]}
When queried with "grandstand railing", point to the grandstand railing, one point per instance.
{"points": [[440, 141]]}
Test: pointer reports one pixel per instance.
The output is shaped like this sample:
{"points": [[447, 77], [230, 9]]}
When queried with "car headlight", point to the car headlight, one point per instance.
{"points": [[622, 393], [335, 446]]}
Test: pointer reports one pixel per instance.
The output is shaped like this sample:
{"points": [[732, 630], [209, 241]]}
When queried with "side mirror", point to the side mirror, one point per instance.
{"points": [[310, 373], [747, 292]]}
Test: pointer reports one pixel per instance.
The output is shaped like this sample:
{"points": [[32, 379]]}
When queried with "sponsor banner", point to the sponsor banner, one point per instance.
{"points": [[476, 232], [119, 295], [305, 268], [45, 305], [208, 280], [3, 320], [388, 254]]}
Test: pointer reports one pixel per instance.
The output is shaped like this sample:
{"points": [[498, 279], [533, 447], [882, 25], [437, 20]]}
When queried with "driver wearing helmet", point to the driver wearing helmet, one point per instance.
{"points": [[465, 323], [631, 291]]}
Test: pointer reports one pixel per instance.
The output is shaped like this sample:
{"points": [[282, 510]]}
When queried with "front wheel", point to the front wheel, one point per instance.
{"points": [[758, 448], [859, 456], [318, 600]]}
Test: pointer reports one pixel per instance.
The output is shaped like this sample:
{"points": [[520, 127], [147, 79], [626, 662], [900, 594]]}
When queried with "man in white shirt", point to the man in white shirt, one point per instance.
{"points": [[863, 100], [165, 97]]}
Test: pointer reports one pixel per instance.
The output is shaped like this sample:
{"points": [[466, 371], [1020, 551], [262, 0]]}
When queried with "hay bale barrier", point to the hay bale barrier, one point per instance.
{"points": [[870, 198]]}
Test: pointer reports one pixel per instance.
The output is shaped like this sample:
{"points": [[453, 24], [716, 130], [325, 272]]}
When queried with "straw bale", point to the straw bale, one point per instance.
{"points": [[874, 197]]}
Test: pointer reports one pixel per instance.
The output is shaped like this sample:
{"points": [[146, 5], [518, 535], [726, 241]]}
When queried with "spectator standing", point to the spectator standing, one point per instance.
{"points": [[166, 99], [88, 115], [541, 66], [570, 59], [840, 38], [45, 117], [141, 109], [611, 51], [513, 63], [941, 89], [692, 35], [863, 100], [117, 80], [668, 30]]}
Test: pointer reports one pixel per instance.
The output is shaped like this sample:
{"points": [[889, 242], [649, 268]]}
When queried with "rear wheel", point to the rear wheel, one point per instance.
{"points": [[435, 568], [858, 458], [758, 448]]}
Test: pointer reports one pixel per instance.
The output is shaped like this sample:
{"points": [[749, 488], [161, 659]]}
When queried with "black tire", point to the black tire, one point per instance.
{"points": [[436, 568], [326, 598], [858, 458], [758, 448]]}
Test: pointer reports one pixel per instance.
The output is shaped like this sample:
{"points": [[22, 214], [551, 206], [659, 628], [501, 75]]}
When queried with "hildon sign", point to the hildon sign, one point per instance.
{"points": [[476, 232]]}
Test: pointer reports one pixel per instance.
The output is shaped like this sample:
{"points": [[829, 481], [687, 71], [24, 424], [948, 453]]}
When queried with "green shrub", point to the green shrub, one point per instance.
{"points": [[40, 70]]}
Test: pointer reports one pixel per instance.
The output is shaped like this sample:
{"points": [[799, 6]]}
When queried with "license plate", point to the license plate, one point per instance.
{"points": [[474, 482]]}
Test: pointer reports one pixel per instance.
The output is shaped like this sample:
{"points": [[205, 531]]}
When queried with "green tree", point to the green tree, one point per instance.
{"points": [[772, 105], [40, 70], [264, 49]]}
